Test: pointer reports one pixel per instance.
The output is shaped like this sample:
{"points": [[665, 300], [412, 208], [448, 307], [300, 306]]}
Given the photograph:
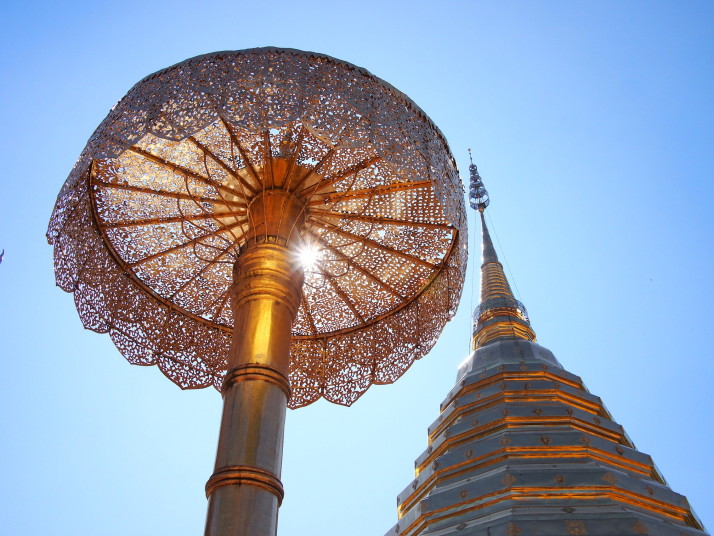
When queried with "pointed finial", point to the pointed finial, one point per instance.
{"points": [[478, 196], [499, 314]]}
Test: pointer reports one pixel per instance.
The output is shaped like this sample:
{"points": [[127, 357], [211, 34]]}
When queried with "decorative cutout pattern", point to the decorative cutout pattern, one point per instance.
{"points": [[152, 217]]}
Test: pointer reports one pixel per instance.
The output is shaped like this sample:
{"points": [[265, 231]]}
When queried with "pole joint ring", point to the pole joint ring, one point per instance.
{"points": [[256, 372], [245, 475]]}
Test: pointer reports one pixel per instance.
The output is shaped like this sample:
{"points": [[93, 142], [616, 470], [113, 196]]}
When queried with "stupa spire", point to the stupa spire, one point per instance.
{"points": [[499, 314], [522, 448]]}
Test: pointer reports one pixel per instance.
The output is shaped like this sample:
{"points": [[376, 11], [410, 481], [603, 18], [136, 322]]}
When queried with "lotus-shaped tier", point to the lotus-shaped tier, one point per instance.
{"points": [[176, 180]]}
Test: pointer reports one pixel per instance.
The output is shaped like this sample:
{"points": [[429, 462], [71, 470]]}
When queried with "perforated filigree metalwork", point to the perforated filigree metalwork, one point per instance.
{"points": [[151, 219]]}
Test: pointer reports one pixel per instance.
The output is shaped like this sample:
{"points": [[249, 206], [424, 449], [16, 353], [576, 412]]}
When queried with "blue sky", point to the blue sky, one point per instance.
{"points": [[591, 124]]}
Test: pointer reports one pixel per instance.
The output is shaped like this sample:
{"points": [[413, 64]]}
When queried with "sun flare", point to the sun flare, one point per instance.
{"points": [[308, 256]]}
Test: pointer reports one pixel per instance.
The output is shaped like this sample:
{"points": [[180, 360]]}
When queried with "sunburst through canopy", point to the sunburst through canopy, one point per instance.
{"points": [[154, 215]]}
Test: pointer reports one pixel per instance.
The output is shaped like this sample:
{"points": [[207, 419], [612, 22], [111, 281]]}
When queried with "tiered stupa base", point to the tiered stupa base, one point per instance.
{"points": [[521, 448]]}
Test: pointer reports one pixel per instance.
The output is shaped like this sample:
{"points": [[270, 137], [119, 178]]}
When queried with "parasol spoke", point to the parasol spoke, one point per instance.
{"points": [[199, 273], [315, 169], [223, 200], [342, 294], [371, 243], [232, 172], [228, 247], [268, 176], [244, 156], [367, 193], [223, 300], [185, 244], [308, 315], [377, 219], [327, 182], [361, 269], [163, 193], [182, 170], [287, 177], [173, 219], [293, 159]]}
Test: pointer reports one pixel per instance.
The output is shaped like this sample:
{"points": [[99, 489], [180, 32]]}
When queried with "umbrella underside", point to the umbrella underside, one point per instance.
{"points": [[149, 245]]}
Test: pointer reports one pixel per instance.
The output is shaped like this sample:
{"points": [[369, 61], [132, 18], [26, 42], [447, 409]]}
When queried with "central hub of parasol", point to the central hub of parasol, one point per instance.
{"points": [[276, 206], [275, 213]]}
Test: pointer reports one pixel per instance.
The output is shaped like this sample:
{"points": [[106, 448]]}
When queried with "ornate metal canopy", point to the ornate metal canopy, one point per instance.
{"points": [[151, 220]]}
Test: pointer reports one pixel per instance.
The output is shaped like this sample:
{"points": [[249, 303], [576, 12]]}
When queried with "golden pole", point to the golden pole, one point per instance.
{"points": [[245, 492]]}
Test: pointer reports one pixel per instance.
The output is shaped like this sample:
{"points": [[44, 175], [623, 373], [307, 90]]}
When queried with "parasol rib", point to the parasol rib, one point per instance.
{"points": [[220, 162], [287, 178], [343, 296], [315, 169], [308, 315], [367, 193], [268, 176], [369, 275], [243, 155], [223, 300], [163, 193], [173, 219], [220, 194], [185, 244], [371, 243], [180, 169], [199, 273], [293, 158], [377, 219], [327, 182]]}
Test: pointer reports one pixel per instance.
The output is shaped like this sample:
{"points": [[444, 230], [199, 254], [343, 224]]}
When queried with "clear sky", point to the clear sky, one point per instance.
{"points": [[592, 125]]}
